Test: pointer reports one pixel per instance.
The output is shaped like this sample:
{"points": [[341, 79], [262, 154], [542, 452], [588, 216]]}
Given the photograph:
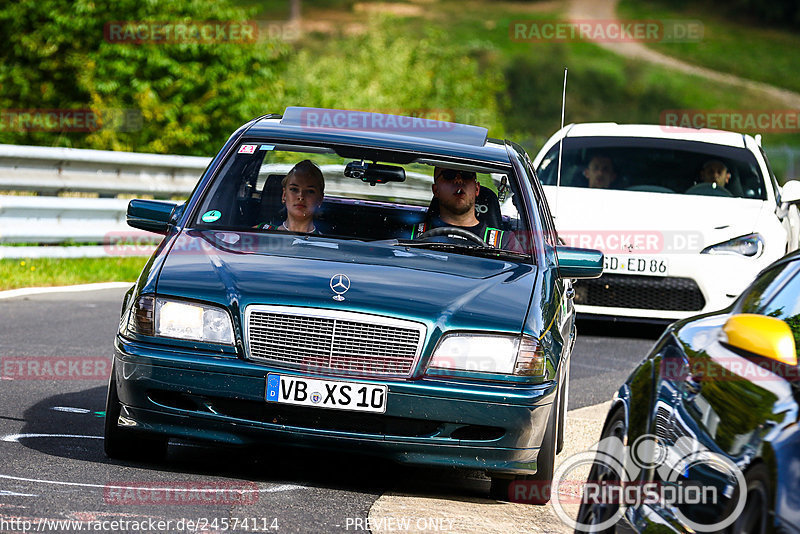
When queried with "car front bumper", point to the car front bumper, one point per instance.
{"points": [[717, 279], [439, 422]]}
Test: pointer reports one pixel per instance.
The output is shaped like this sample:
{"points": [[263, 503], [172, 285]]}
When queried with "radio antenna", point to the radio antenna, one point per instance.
{"points": [[560, 142]]}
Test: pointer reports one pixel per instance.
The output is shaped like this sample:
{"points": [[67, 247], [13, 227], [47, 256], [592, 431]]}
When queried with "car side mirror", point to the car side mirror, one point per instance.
{"points": [[151, 215], [790, 192], [579, 262], [758, 334]]}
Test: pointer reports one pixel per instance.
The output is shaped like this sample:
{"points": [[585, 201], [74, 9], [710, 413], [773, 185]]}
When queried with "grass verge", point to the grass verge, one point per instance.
{"points": [[16, 273]]}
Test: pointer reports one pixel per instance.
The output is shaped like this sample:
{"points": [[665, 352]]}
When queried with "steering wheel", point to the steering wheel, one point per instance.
{"points": [[452, 230]]}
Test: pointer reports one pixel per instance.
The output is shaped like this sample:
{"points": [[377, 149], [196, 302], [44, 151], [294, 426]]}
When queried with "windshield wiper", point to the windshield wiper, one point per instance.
{"points": [[483, 252]]}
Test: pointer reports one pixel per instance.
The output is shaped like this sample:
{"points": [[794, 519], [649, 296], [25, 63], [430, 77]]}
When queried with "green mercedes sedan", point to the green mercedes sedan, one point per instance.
{"points": [[346, 280]]}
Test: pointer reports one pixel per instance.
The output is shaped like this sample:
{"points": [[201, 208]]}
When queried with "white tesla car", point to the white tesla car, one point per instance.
{"points": [[686, 218]]}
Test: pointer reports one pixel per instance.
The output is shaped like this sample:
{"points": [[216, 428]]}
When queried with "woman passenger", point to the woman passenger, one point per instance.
{"points": [[303, 192]]}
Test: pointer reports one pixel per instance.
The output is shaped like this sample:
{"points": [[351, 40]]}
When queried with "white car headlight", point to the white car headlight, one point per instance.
{"points": [[509, 355], [748, 245], [196, 322]]}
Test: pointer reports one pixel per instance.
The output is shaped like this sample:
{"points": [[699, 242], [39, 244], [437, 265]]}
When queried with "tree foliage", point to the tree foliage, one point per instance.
{"points": [[387, 71], [186, 97]]}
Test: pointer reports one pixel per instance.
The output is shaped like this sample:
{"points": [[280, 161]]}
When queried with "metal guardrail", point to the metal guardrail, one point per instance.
{"points": [[52, 220], [48, 171], [51, 170], [29, 219]]}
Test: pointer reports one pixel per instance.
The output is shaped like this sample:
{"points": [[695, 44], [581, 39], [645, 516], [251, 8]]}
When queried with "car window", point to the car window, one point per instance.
{"points": [[361, 198], [655, 165]]}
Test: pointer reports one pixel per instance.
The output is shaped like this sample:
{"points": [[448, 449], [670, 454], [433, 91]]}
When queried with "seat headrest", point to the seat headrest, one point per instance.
{"points": [[270, 209]]}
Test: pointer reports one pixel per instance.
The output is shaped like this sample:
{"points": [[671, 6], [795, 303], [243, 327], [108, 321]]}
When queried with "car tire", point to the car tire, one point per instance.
{"points": [[597, 513], [125, 444], [754, 519], [538, 489]]}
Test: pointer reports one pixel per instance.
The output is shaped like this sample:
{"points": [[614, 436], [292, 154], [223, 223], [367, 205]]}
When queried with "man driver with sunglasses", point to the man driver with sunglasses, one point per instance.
{"points": [[457, 191]]}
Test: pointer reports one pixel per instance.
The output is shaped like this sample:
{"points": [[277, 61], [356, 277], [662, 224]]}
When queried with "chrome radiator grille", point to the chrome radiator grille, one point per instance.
{"points": [[330, 340]]}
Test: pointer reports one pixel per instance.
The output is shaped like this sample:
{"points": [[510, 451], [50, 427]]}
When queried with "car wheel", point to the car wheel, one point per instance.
{"points": [[124, 444], [531, 489], [754, 517], [596, 513]]}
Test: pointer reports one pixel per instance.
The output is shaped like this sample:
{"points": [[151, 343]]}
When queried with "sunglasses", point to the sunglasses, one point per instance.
{"points": [[451, 174]]}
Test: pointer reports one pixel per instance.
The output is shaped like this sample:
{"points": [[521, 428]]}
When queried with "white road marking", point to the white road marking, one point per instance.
{"points": [[4, 493], [70, 409], [25, 291], [14, 438]]}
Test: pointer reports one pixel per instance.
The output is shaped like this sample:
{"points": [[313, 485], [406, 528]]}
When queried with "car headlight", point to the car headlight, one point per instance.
{"points": [[748, 245], [156, 316], [498, 354]]}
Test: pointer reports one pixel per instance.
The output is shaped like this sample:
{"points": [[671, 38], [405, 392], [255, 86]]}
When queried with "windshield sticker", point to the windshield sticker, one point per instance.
{"points": [[211, 216], [248, 149], [267, 147]]}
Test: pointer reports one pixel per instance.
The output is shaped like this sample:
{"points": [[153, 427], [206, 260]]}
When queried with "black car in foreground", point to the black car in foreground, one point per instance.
{"points": [[704, 435]]}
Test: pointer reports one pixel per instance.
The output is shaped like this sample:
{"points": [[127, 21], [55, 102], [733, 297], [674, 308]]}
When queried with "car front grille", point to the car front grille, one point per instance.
{"points": [[330, 340], [641, 292]]}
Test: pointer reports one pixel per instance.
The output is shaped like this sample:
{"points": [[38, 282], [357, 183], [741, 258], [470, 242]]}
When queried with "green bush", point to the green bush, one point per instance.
{"points": [[390, 71], [187, 97]]}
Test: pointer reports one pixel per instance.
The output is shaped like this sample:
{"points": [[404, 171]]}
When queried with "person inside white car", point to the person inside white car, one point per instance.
{"points": [[600, 172], [714, 171]]}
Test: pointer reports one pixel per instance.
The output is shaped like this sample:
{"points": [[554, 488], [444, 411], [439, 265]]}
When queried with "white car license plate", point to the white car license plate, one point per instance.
{"points": [[334, 394], [636, 264]]}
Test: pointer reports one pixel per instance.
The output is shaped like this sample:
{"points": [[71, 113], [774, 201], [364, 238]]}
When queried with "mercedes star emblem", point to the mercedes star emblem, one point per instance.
{"points": [[339, 284]]}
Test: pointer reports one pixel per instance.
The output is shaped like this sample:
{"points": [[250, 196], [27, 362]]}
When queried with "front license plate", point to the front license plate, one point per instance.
{"points": [[637, 264], [333, 394]]}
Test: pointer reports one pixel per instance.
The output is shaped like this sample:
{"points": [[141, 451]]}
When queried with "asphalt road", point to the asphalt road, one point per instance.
{"points": [[53, 466]]}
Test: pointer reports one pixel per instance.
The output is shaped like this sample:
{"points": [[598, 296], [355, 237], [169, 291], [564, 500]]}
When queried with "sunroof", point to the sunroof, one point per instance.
{"points": [[364, 121]]}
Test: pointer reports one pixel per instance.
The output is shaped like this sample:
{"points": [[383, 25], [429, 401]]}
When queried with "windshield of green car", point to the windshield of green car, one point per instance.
{"points": [[273, 187]]}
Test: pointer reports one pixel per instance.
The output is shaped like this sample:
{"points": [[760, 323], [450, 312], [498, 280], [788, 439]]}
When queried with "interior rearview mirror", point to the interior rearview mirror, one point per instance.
{"points": [[374, 173]]}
